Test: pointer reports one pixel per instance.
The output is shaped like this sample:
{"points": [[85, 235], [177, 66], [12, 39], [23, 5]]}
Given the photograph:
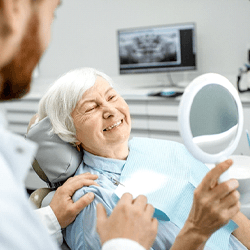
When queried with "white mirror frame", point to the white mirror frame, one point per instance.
{"points": [[184, 117]]}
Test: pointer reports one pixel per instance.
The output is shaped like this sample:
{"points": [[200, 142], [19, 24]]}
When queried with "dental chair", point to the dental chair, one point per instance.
{"points": [[54, 162], [38, 195]]}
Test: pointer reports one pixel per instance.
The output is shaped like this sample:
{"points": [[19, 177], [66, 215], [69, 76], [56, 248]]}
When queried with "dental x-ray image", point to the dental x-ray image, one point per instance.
{"points": [[150, 47]]}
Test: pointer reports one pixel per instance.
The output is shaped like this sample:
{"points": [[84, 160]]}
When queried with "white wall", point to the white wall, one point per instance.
{"points": [[84, 34]]}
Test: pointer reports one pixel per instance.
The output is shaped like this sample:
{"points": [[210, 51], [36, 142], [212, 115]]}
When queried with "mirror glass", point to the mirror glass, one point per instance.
{"points": [[213, 118], [210, 118]]}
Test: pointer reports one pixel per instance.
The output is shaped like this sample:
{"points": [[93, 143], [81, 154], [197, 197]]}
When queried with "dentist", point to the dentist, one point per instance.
{"points": [[24, 36]]}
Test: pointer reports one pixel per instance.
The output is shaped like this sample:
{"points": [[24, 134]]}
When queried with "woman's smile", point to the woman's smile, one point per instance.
{"points": [[115, 125]]}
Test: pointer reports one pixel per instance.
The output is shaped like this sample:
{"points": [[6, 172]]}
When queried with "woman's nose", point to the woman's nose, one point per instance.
{"points": [[108, 111]]}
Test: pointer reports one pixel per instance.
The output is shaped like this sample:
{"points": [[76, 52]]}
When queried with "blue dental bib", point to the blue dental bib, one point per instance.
{"points": [[168, 174]]}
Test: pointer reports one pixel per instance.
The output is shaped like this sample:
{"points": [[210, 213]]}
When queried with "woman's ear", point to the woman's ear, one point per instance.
{"points": [[33, 120]]}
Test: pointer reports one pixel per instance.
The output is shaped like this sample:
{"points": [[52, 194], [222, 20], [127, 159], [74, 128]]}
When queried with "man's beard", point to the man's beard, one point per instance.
{"points": [[15, 77]]}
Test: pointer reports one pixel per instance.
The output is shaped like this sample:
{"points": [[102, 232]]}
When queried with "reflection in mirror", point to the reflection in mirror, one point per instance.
{"points": [[213, 119]]}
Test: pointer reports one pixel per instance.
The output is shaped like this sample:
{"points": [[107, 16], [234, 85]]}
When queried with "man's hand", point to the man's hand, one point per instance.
{"points": [[214, 204], [62, 204], [131, 219]]}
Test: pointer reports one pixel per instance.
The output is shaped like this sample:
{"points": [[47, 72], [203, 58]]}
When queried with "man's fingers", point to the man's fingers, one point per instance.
{"points": [[83, 202], [213, 175], [101, 214], [81, 183], [85, 176], [77, 183], [126, 199], [89, 176], [140, 201], [155, 224], [150, 210]]}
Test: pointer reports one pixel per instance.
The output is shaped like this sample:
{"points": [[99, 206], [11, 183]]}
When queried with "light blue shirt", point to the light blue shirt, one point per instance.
{"points": [[19, 226], [81, 234]]}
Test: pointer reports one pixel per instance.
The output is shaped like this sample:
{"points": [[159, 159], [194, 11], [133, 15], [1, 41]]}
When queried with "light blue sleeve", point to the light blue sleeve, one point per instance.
{"points": [[82, 234]]}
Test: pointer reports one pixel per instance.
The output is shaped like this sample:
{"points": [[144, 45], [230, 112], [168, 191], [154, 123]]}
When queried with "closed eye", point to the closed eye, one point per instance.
{"points": [[90, 109], [111, 97]]}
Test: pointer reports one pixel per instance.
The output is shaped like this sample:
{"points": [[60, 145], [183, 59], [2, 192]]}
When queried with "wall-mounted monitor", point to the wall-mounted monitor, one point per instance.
{"points": [[157, 49]]}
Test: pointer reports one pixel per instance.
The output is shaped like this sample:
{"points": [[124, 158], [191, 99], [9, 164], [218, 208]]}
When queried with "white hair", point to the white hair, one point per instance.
{"points": [[62, 97]]}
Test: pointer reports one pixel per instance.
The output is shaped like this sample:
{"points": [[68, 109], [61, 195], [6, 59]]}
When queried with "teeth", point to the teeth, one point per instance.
{"points": [[114, 125]]}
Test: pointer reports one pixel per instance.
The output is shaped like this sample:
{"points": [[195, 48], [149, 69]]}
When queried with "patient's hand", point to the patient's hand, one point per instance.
{"points": [[131, 219], [214, 204], [62, 204]]}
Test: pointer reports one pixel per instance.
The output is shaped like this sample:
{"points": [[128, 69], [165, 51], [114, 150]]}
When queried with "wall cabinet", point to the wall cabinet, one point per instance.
{"points": [[154, 117]]}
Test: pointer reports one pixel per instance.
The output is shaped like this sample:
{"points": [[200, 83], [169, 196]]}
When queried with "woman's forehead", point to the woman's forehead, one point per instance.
{"points": [[101, 82], [101, 86]]}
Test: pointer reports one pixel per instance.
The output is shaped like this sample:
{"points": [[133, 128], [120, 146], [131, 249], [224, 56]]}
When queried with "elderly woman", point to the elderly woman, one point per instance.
{"points": [[87, 112]]}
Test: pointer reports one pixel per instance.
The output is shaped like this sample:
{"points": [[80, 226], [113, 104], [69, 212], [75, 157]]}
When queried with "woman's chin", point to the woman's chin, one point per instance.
{"points": [[117, 138]]}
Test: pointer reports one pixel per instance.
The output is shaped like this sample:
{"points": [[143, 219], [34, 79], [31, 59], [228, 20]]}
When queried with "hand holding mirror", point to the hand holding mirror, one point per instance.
{"points": [[211, 119]]}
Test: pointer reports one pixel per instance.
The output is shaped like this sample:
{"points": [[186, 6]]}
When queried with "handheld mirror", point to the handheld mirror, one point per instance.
{"points": [[211, 119]]}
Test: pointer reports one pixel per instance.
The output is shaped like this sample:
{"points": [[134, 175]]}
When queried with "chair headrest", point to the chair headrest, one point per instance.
{"points": [[56, 158]]}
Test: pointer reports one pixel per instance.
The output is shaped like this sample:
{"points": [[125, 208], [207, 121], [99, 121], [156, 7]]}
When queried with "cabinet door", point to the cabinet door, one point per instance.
{"points": [[19, 113], [139, 119], [163, 119]]}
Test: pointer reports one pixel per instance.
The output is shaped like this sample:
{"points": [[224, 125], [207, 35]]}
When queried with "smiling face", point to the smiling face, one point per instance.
{"points": [[102, 121]]}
